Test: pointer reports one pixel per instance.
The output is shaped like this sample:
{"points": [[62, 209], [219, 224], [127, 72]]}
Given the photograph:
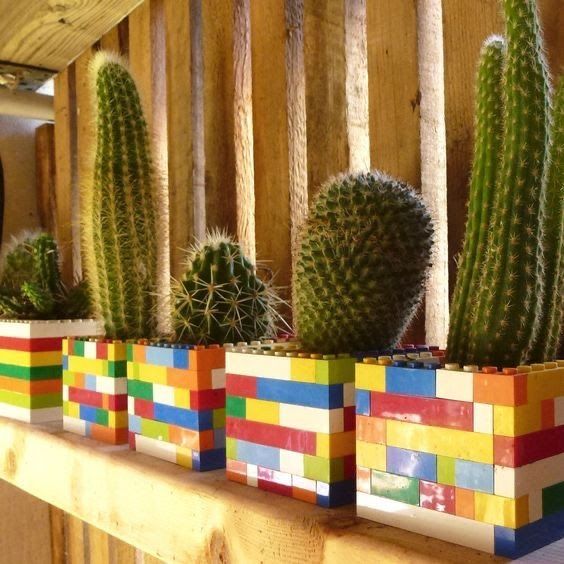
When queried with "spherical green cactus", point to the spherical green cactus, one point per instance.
{"points": [[118, 208], [221, 299], [363, 258], [30, 282]]}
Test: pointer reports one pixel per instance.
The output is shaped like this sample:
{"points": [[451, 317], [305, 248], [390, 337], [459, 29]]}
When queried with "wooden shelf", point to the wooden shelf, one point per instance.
{"points": [[184, 516]]}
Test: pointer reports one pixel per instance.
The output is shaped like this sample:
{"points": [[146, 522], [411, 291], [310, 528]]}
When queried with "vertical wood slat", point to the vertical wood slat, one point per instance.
{"points": [[75, 538], [98, 546], [57, 529], [433, 162], [46, 176]]}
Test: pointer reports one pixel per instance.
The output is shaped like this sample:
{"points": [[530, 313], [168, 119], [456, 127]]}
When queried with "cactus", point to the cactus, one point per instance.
{"points": [[489, 129], [220, 298], [550, 333], [119, 221], [363, 257], [30, 282]]}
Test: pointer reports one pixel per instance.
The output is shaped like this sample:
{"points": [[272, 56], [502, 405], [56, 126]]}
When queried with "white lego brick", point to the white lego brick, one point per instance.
{"points": [[304, 483], [322, 488], [559, 411], [218, 378], [22, 329], [455, 385], [111, 386], [131, 405], [535, 506], [43, 415], [163, 394], [516, 482], [348, 394], [312, 419], [291, 462], [258, 365], [483, 418], [252, 475], [65, 392], [90, 350], [444, 526], [158, 449], [76, 426]]}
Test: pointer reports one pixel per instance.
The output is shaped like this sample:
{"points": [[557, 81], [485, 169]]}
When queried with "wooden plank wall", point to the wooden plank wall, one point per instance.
{"points": [[262, 100]]}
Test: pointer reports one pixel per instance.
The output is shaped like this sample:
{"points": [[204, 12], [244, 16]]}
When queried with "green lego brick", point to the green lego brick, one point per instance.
{"points": [[446, 470], [138, 389], [129, 352], [31, 372], [236, 407], [218, 420], [154, 429], [117, 368], [324, 469], [231, 448], [102, 417], [31, 402], [553, 499], [391, 486], [334, 371], [78, 348]]}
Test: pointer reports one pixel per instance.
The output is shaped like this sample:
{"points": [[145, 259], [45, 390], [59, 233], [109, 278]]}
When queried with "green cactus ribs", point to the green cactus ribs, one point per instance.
{"points": [[220, 298], [363, 259]]}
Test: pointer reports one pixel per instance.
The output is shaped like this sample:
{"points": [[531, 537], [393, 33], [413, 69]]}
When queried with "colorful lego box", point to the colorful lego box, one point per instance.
{"points": [[177, 403], [472, 457], [31, 367], [291, 423], [95, 389]]}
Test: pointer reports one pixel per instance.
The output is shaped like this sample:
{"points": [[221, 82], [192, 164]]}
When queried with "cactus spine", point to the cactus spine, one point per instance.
{"points": [[489, 129], [363, 257], [119, 221]]}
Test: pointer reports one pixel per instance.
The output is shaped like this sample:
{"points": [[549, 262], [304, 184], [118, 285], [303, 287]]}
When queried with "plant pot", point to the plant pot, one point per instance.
{"points": [[95, 389], [31, 367], [290, 424], [177, 403], [474, 458]]}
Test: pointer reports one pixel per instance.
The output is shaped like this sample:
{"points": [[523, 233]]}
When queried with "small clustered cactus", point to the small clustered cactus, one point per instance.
{"points": [[30, 282], [119, 218], [363, 259], [220, 298]]}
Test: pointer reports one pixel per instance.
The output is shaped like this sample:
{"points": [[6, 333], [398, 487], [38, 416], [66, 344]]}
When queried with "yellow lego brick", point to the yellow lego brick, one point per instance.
{"points": [[545, 384], [33, 359], [502, 511], [263, 411], [88, 365], [370, 377], [71, 409], [371, 455], [117, 419], [69, 378], [133, 370], [303, 369], [182, 398], [117, 351], [65, 346], [515, 421], [184, 457], [335, 445], [153, 374], [477, 447]]}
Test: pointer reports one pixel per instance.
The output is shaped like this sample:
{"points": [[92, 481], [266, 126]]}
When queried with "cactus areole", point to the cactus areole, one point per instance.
{"points": [[364, 254]]}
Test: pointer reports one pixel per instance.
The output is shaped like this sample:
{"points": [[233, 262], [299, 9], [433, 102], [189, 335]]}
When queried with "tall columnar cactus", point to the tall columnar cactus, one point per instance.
{"points": [[119, 218], [363, 258], [506, 310], [30, 282], [489, 130], [550, 333], [221, 299]]}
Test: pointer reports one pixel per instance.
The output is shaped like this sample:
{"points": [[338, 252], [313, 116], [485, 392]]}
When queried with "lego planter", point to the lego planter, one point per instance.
{"points": [[177, 403], [95, 389], [290, 424], [474, 458], [31, 367]]}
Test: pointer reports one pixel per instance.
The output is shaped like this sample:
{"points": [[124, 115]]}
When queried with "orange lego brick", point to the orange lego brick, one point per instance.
{"points": [[547, 413], [202, 358], [189, 379], [188, 438], [139, 353], [304, 495], [109, 435], [236, 471], [500, 388], [464, 503], [370, 429], [31, 387], [363, 479]]}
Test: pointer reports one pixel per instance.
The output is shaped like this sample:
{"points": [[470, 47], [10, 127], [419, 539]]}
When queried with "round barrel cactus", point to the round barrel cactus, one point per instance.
{"points": [[363, 259]]}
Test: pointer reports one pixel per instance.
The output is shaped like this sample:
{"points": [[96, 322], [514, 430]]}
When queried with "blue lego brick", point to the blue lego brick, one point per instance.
{"points": [[187, 418], [300, 393], [340, 493], [474, 476], [88, 413], [134, 423], [411, 463], [259, 455], [362, 402], [205, 460], [90, 382], [514, 543], [160, 356], [65, 362], [181, 358], [219, 438], [411, 381]]}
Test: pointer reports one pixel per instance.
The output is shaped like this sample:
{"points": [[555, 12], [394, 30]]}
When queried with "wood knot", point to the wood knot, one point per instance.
{"points": [[10, 464]]}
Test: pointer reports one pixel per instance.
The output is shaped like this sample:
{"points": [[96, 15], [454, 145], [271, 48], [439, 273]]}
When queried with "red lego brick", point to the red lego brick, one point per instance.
{"points": [[349, 418], [102, 350], [242, 386], [349, 466], [547, 413], [144, 408], [31, 345], [207, 399], [437, 497], [267, 481], [96, 399]]}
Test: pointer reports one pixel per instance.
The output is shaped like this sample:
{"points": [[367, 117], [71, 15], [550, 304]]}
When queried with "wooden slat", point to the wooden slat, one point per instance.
{"points": [[52, 34], [271, 137], [120, 552], [45, 176], [197, 517], [76, 533], [57, 530], [98, 546]]}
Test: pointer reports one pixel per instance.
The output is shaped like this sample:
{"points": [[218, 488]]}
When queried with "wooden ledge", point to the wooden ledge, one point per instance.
{"points": [[184, 516]]}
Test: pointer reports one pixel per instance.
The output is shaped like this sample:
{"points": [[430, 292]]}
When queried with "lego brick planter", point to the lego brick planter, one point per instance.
{"points": [[290, 424], [474, 458], [95, 389], [177, 403], [31, 367]]}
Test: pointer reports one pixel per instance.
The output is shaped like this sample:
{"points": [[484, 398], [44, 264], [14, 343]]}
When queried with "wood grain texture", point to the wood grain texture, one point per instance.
{"points": [[76, 537], [45, 171], [57, 531], [52, 34], [218, 88], [98, 546], [327, 144], [270, 124]]}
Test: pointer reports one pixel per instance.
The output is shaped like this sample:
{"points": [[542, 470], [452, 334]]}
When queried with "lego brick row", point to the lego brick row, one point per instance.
{"points": [[186, 357]]}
